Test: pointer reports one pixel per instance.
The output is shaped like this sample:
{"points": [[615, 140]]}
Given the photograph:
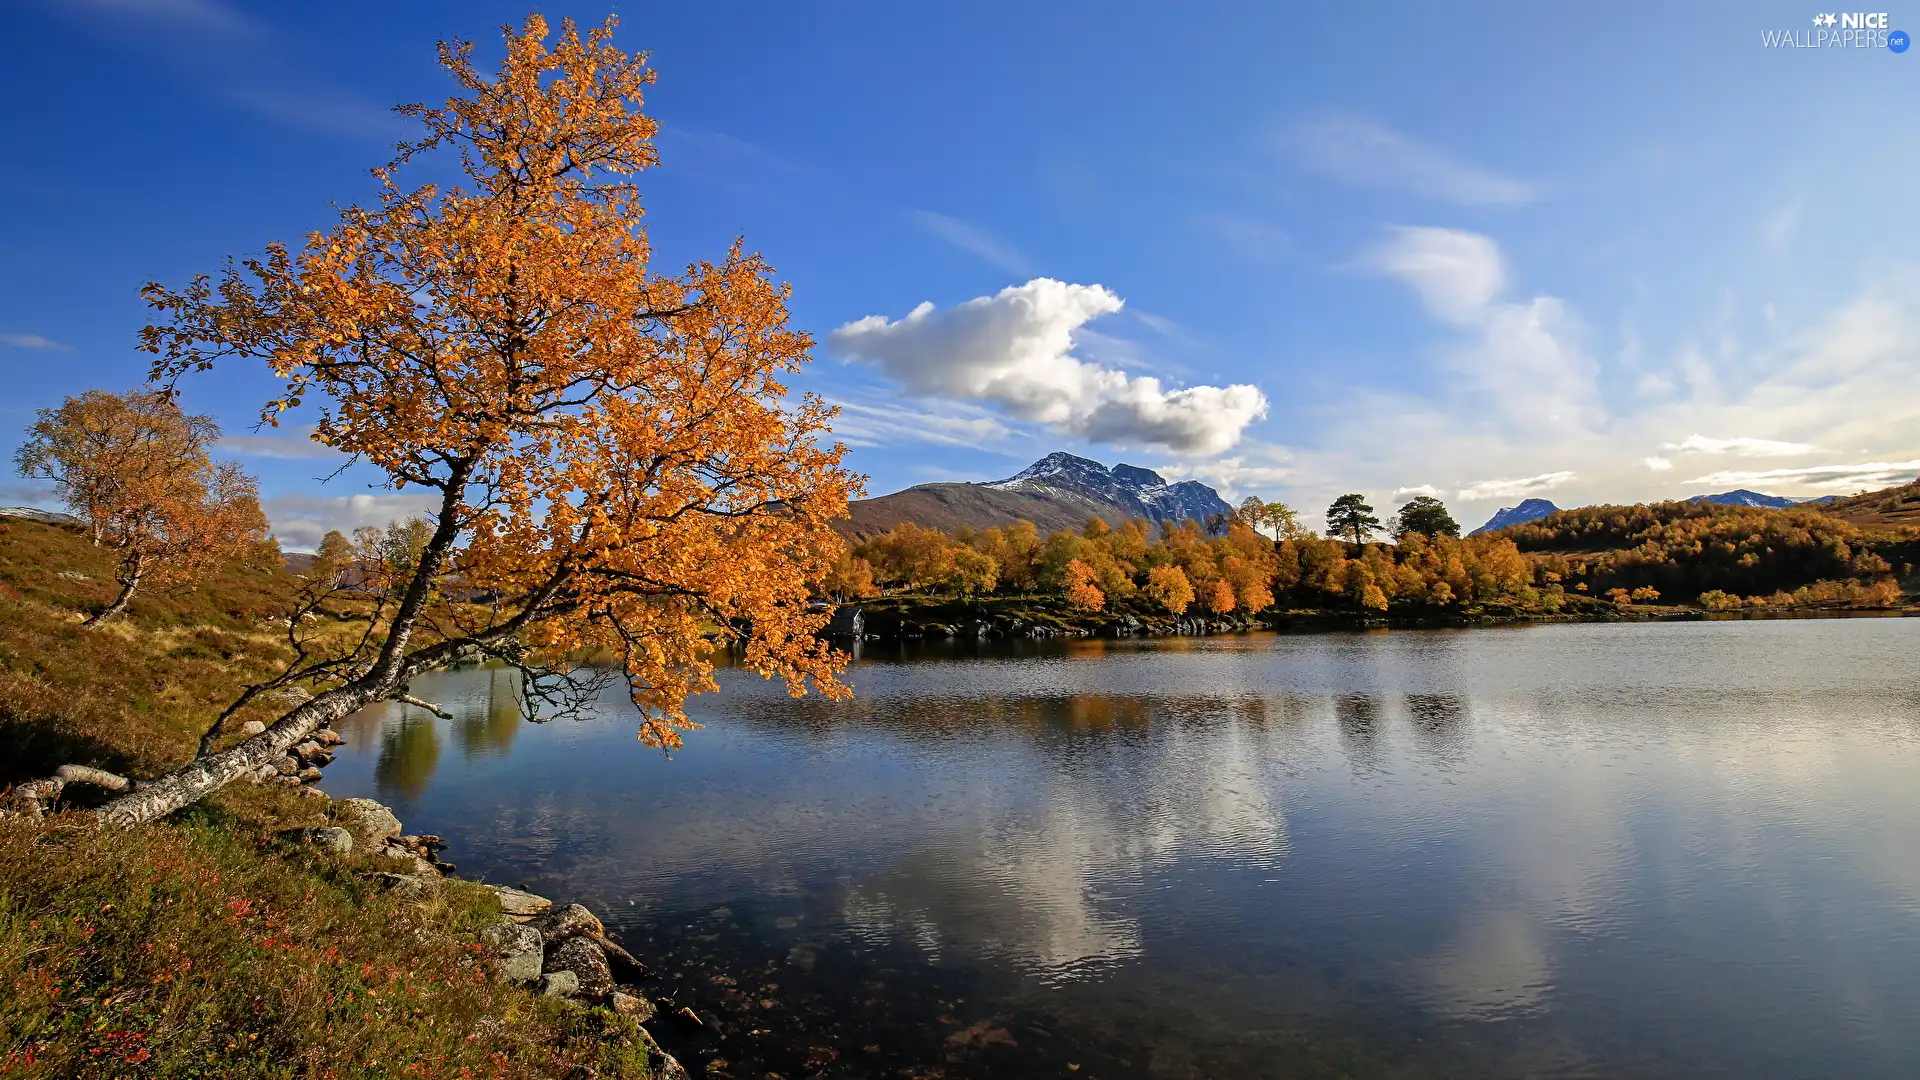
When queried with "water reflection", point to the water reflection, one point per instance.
{"points": [[1588, 850]]}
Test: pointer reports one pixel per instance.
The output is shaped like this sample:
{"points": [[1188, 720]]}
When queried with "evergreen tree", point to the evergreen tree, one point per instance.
{"points": [[1425, 515], [1350, 518]]}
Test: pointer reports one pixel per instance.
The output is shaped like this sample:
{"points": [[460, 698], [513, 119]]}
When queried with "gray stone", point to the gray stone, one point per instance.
{"points": [[333, 841], [570, 921], [410, 886], [632, 1006], [518, 948], [585, 959], [252, 728], [314, 793], [309, 775], [370, 822], [560, 984], [519, 905]]}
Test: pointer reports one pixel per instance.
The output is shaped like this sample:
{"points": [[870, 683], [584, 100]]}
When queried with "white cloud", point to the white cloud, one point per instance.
{"points": [[1522, 358], [889, 424], [1408, 494], [1657, 464], [1457, 274], [1014, 350], [31, 341], [1869, 475], [1483, 490], [970, 238], [1741, 446], [297, 444], [299, 521], [1363, 151], [1261, 472]]}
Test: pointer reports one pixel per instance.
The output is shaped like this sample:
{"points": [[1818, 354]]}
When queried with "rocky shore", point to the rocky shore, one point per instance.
{"points": [[560, 951]]}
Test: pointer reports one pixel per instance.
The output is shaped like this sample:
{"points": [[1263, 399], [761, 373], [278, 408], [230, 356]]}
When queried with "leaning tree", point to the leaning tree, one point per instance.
{"points": [[614, 465]]}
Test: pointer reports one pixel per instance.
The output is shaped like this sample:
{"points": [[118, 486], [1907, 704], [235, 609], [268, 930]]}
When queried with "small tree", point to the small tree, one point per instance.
{"points": [[136, 470], [1425, 515], [1082, 592], [1218, 596], [1275, 520], [612, 457], [1168, 586], [1351, 519]]}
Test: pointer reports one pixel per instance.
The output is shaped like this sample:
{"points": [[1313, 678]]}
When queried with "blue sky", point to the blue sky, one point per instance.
{"points": [[1595, 253]]}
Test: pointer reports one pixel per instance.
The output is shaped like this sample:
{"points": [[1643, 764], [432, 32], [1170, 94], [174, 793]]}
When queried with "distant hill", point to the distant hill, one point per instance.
{"points": [[1743, 497], [1059, 491], [1530, 510], [1888, 506]]}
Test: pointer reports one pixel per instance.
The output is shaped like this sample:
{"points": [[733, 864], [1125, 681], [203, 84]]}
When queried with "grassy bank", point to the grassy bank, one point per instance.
{"points": [[211, 945]]}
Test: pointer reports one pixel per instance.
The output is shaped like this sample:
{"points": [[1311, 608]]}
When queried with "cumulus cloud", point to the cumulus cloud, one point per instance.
{"points": [[1015, 350], [970, 238], [1408, 494], [299, 521], [1363, 151], [1870, 474], [1483, 490], [1741, 446], [31, 341], [1657, 464]]}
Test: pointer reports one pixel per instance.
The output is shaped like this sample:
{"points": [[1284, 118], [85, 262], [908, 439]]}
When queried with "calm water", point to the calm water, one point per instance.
{"points": [[1673, 850]]}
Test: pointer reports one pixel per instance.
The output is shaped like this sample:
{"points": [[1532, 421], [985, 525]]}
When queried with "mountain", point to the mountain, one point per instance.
{"points": [[1060, 491], [1517, 515], [1743, 497]]}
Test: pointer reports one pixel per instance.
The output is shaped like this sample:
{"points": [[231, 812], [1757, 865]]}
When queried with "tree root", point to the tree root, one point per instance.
{"points": [[35, 797]]}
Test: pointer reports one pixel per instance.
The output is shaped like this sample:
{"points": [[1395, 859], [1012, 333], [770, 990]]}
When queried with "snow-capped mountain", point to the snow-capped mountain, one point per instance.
{"points": [[1060, 491], [1143, 493], [1529, 510], [1743, 497]]}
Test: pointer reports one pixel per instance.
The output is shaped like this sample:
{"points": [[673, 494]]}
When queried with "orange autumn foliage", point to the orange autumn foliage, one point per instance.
{"points": [[614, 468], [137, 472], [1081, 590]]}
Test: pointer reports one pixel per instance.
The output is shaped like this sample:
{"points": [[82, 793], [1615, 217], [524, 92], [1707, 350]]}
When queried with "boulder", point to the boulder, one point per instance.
{"points": [[410, 886], [305, 750], [632, 1006], [370, 822], [312, 793], [286, 766], [560, 984], [570, 921], [587, 961], [520, 906], [252, 728], [329, 737], [309, 775], [518, 948], [333, 841]]}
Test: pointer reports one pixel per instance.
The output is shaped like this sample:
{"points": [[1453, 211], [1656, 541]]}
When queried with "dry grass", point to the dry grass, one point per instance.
{"points": [[207, 945]]}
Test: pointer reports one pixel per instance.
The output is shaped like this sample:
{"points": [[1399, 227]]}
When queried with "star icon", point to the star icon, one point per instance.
{"points": [[1824, 20]]}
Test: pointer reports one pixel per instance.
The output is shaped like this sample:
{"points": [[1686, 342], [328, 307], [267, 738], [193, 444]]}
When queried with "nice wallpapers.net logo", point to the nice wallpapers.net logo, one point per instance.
{"points": [[1842, 30]]}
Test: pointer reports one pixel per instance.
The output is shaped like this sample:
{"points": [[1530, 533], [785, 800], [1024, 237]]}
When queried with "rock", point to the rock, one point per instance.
{"points": [[662, 1064], [321, 760], [632, 1006], [252, 728], [518, 948], [521, 906], [329, 738], [690, 1018], [560, 984], [305, 750], [570, 922], [309, 775], [313, 793], [286, 766], [585, 959], [413, 864], [370, 822], [333, 841], [409, 886]]}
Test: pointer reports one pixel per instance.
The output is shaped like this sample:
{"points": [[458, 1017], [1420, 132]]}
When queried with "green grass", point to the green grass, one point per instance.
{"points": [[207, 945]]}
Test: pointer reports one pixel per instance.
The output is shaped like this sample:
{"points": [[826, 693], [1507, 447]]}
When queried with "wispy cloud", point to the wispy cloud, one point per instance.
{"points": [[1483, 490], [971, 238], [895, 424], [1869, 474], [1363, 151], [31, 341], [1740, 446], [1407, 494], [297, 444]]}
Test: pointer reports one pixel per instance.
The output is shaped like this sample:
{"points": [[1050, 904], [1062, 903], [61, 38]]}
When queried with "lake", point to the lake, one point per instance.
{"points": [[1581, 850]]}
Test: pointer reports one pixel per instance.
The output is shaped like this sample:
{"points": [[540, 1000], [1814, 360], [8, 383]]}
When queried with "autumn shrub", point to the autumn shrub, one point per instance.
{"points": [[202, 948]]}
